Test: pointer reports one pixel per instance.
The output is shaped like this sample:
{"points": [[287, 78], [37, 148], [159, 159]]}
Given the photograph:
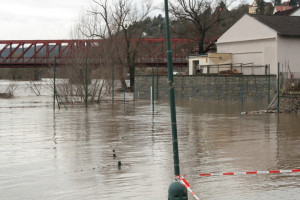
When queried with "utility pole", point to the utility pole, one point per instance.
{"points": [[176, 190]]}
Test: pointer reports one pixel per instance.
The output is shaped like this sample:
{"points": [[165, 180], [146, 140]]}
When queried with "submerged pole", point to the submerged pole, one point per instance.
{"points": [[113, 84], [124, 93], [269, 84], [242, 95], [176, 190], [54, 84], [152, 90], [157, 82]]}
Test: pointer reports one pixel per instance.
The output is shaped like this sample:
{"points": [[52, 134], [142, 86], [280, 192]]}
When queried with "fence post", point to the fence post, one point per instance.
{"points": [[242, 95], [54, 84], [157, 81], [278, 87], [113, 84], [86, 83], [269, 84], [152, 89], [242, 68]]}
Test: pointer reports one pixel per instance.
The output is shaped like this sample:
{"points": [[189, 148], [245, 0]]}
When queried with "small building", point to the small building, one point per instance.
{"points": [[208, 64], [263, 40]]}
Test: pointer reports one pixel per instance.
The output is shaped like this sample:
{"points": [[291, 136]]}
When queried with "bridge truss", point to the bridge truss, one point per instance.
{"points": [[41, 53]]}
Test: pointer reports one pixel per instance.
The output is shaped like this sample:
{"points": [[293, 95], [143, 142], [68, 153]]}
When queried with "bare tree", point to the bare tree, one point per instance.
{"points": [[200, 16], [117, 22]]}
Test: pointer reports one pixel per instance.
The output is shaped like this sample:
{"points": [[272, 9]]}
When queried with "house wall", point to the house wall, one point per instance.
{"points": [[296, 13], [250, 41], [257, 52], [288, 53]]}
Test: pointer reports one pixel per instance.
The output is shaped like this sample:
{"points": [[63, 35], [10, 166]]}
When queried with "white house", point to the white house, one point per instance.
{"points": [[263, 40]]}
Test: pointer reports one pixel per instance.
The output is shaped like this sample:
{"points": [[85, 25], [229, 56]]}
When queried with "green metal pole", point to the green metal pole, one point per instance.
{"points": [[86, 83], [156, 81], [278, 86], [113, 84], [172, 95], [242, 95], [269, 85], [176, 190], [152, 88], [134, 82], [54, 84]]}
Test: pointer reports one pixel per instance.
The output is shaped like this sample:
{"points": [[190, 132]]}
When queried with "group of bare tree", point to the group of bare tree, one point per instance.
{"points": [[116, 23], [119, 25]]}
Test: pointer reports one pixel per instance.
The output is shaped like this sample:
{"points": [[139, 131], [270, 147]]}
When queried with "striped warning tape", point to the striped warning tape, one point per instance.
{"points": [[184, 182], [249, 172]]}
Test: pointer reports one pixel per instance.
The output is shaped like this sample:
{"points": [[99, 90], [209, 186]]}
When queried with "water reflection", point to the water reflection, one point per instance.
{"points": [[68, 154]]}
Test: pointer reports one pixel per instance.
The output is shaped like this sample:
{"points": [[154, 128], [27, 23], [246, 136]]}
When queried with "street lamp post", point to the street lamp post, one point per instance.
{"points": [[176, 190]]}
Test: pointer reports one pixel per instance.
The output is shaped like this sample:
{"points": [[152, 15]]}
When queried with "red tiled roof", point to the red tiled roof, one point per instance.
{"points": [[282, 8]]}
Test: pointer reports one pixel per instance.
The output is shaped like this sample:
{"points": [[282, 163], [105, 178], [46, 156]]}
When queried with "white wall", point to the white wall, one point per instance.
{"points": [[258, 52], [296, 13], [250, 41], [289, 53]]}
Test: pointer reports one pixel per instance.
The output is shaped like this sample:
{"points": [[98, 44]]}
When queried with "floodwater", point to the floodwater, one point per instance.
{"points": [[68, 154]]}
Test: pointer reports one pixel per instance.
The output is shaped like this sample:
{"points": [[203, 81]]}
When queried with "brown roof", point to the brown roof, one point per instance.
{"points": [[282, 8], [283, 25], [287, 12]]}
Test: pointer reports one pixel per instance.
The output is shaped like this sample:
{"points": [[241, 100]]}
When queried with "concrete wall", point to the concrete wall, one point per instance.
{"points": [[208, 87]]}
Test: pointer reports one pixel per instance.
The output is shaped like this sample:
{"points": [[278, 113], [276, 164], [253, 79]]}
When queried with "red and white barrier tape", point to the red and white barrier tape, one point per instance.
{"points": [[249, 172], [184, 182]]}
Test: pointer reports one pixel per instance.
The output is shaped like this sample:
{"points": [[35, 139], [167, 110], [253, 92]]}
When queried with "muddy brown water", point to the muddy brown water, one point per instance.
{"points": [[68, 154]]}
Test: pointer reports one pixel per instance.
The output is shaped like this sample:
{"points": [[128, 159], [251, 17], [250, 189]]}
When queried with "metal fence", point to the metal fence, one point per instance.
{"points": [[290, 81], [233, 69]]}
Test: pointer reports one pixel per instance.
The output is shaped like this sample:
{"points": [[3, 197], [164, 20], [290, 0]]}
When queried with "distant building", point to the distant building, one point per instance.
{"points": [[290, 12], [253, 7], [206, 64], [281, 8], [263, 40]]}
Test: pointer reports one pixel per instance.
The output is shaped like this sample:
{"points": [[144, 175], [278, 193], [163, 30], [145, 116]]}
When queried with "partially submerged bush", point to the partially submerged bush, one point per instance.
{"points": [[9, 92]]}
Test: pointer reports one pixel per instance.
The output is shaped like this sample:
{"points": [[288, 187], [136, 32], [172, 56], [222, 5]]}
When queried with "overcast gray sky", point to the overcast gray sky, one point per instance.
{"points": [[41, 19]]}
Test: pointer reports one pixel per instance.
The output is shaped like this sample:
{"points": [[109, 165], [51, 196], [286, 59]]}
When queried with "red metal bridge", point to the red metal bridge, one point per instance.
{"points": [[41, 53]]}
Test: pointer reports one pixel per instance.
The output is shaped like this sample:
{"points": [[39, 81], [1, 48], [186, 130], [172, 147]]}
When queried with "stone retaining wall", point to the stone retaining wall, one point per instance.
{"points": [[213, 87]]}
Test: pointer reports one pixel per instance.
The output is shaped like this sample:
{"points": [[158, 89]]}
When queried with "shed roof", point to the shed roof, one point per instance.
{"points": [[283, 25]]}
